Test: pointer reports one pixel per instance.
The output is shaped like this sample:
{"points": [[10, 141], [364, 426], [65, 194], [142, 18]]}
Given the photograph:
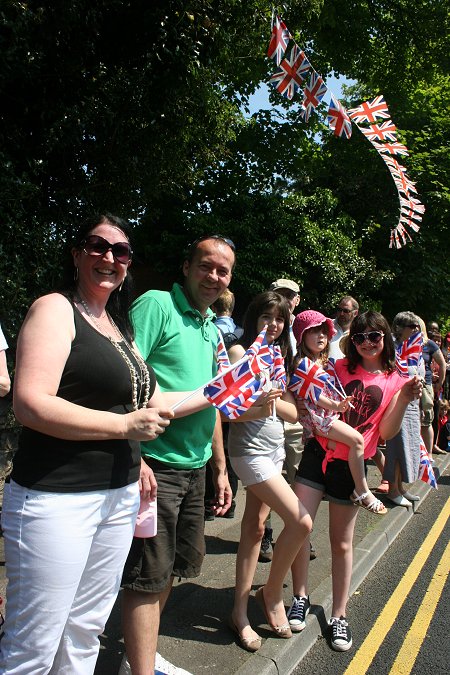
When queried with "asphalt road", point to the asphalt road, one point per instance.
{"points": [[403, 648]]}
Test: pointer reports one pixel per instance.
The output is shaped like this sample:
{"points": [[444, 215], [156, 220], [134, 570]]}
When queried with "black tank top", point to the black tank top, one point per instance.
{"points": [[95, 376]]}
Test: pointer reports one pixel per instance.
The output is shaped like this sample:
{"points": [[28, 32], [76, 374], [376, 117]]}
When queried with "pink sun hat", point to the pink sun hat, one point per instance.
{"points": [[309, 319]]}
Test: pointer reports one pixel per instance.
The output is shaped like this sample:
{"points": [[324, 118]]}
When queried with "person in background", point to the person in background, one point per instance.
{"points": [[223, 308], [177, 337], [5, 382], [85, 398], [446, 355], [431, 352], [402, 455], [346, 311], [293, 433]]}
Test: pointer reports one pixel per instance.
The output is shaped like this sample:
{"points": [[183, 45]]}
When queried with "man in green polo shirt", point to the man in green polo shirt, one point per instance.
{"points": [[175, 334]]}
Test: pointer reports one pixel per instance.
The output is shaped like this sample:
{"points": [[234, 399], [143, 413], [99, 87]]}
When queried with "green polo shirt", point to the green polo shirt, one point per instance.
{"points": [[180, 344]]}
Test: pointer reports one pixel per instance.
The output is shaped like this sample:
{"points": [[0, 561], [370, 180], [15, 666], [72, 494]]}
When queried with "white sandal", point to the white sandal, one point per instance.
{"points": [[376, 506]]}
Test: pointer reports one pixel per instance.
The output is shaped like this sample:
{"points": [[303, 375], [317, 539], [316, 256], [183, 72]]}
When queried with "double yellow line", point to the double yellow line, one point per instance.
{"points": [[408, 653]]}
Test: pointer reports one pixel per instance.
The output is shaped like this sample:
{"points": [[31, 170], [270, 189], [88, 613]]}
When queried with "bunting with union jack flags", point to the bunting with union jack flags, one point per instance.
{"points": [[369, 111], [288, 79], [308, 380], [279, 41], [313, 93], [338, 119]]}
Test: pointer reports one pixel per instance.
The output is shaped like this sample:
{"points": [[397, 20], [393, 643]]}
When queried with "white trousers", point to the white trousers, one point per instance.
{"points": [[64, 559]]}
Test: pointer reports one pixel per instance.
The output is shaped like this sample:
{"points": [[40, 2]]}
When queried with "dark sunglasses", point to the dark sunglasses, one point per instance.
{"points": [[95, 245], [412, 325], [374, 336], [343, 310], [227, 241]]}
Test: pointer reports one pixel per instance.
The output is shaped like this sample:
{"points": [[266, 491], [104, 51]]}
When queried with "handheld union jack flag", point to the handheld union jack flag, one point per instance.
{"points": [[410, 350], [313, 93], [237, 389], [338, 119], [370, 110], [223, 362], [292, 72], [391, 148], [278, 372], [308, 380], [426, 472], [381, 132], [279, 41]]}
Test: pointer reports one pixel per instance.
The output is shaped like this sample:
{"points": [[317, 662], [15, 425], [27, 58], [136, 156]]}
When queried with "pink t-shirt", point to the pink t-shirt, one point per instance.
{"points": [[372, 394]]}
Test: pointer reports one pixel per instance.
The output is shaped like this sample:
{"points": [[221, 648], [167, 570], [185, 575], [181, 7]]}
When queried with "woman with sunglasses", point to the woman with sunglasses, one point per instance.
{"points": [[380, 398], [85, 398]]}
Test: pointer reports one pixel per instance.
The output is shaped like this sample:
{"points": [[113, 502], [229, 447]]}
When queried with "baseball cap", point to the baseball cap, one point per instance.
{"points": [[309, 319], [284, 283]]}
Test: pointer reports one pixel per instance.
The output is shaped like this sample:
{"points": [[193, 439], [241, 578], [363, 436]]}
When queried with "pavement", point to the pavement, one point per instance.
{"points": [[194, 633]]}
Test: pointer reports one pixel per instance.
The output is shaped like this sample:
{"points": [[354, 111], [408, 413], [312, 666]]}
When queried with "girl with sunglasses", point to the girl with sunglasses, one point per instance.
{"points": [[312, 331], [380, 398]]}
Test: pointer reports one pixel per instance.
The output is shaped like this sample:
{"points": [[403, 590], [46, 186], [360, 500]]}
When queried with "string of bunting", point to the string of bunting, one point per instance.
{"points": [[290, 79]]}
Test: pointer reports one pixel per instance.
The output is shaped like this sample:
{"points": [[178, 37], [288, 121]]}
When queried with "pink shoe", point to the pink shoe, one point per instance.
{"points": [[383, 487]]}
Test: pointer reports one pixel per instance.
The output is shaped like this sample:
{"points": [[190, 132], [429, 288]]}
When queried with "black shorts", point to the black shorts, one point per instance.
{"points": [[178, 548], [337, 482]]}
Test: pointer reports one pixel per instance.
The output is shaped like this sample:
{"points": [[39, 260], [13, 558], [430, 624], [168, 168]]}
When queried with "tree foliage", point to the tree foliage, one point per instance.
{"points": [[137, 108]]}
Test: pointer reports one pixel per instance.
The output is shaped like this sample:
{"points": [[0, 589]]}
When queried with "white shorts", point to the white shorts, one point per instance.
{"points": [[253, 469]]}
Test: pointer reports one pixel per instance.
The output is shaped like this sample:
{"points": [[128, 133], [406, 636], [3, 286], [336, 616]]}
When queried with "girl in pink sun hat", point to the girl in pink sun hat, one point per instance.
{"points": [[313, 331]]}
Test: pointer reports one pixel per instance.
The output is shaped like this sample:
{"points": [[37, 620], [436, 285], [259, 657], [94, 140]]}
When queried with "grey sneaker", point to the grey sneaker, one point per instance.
{"points": [[341, 637], [297, 612], [265, 552]]}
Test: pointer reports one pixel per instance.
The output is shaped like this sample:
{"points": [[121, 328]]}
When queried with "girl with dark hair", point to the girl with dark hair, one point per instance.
{"points": [[380, 398], [256, 450], [85, 398]]}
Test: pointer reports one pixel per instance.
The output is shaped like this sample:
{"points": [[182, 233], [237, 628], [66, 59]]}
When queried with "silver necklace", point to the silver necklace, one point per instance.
{"points": [[144, 375]]}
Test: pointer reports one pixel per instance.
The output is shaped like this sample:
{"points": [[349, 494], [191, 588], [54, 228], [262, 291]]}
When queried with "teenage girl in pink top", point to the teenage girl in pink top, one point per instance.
{"points": [[380, 398]]}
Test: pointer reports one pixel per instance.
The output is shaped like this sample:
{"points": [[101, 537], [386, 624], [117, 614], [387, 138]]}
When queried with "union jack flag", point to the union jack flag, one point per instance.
{"points": [[410, 350], [223, 362], [392, 163], [404, 184], [370, 110], [410, 223], [292, 72], [413, 204], [237, 389], [278, 371], [313, 93], [391, 148], [426, 472], [279, 41], [401, 366], [407, 213], [308, 380], [338, 119], [381, 132]]}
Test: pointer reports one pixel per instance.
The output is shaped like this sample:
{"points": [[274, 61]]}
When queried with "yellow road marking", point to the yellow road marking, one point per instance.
{"points": [[407, 655], [366, 653]]}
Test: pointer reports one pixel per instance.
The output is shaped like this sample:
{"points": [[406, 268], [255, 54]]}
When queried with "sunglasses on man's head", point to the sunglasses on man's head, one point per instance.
{"points": [[374, 336], [95, 245], [227, 241]]}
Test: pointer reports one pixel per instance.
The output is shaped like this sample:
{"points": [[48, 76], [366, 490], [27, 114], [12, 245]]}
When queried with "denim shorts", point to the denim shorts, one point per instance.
{"points": [[178, 548], [337, 482]]}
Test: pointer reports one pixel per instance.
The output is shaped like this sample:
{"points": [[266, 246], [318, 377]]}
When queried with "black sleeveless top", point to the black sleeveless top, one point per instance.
{"points": [[95, 376]]}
